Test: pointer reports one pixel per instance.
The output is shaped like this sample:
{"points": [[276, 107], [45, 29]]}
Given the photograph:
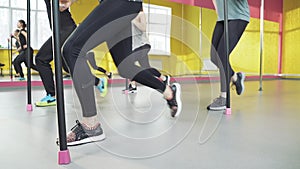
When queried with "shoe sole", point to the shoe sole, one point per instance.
{"points": [[217, 108], [242, 83], [45, 105], [178, 99], [87, 140]]}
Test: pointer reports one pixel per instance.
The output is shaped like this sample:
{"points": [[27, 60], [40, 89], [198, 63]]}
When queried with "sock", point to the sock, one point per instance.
{"points": [[90, 122], [223, 94], [234, 77]]}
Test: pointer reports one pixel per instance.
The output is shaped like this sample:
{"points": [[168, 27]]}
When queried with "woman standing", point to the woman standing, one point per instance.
{"points": [[238, 19]]}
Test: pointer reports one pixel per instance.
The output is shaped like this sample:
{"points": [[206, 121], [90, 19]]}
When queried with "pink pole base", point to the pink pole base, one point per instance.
{"points": [[228, 111], [29, 107], [64, 157]]}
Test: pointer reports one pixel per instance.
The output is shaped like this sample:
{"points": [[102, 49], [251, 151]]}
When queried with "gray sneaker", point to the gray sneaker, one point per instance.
{"points": [[218, 104], [80, 135]]}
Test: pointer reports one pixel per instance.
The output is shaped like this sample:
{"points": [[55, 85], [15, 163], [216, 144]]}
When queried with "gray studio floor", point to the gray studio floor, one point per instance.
{"points": [[263, 131]]}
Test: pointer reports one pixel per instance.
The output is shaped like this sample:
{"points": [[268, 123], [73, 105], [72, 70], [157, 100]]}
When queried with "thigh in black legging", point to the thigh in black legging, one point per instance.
{"points": [[102, 24], [216, 38]]}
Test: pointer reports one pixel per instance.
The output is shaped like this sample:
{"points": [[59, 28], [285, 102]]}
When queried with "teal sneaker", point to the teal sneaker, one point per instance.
{"points": [[102, 86], [46, 101]]}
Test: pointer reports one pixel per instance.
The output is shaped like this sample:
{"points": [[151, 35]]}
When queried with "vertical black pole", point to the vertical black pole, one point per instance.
{"points": [[261, 45], [226, 38], [63, 155], [10, 59], [29, 106]]}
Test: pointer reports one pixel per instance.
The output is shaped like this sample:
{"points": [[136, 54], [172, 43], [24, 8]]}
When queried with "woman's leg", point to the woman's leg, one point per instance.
{"points": [[101, 25], [42, 60], [218, 56], [18, 61], [235, 29], [143, 59]]}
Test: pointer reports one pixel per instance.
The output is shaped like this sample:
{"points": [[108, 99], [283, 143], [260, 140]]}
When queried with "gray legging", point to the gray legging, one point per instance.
{"points": [[110, 22], [218, 55]]}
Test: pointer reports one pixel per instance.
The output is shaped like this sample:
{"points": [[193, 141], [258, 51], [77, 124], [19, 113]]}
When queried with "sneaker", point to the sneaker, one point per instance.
{"points": [[104, 82], [21, 78], [102, 86], [175, 103], [167, 81], [67, 76], [79, 134], [46, 101], [218, 104], [109, 75], [132, 89], [239, 83]]}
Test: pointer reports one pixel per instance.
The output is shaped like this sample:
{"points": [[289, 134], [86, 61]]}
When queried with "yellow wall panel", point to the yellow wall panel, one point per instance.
{"points": [[291, 37]]}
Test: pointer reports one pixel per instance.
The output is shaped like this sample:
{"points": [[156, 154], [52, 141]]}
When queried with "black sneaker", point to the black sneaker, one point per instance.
{"points": [[66, 76], [239, 83], [109, 75], [218, 104], [79, 134], [167, 81], [132, 89], [175, 103]]}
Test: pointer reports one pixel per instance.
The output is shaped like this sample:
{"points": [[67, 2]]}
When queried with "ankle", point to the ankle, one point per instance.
{"points": [[163, 78], [234, 77], [223, 94], [90, 122], [168, 93]]}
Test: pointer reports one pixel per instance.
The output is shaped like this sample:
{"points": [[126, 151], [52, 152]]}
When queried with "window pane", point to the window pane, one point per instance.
{"points": [[33, 4], [43, 26], [4, 27], [19, 4], [4, 3], [17, 15], [33, 30], [159, 28], [41, 5]]}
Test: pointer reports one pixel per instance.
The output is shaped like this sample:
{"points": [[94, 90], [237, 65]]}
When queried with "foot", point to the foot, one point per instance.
{"points": [[102, 86], [109, 75], [167, 81], [218, 104], [21, 78], [132, 89], [67, 76], [175, 103], [46, 101], [239, 83], [82, 134]]}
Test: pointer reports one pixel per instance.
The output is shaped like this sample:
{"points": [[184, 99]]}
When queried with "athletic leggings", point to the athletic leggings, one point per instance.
{"points": [[109, 22], [218, 55], [143, 59], [45, 56], [91, 58], [22, 57]]}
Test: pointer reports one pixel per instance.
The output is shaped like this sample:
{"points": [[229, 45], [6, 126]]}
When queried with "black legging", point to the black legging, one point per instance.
{"points": [[218, 55], [22, 57], [45, 56], [110, 22], [143, 59], [91, 58]]}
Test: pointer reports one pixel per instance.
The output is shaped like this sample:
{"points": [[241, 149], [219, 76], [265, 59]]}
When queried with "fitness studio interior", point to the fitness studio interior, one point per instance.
{"points": [[192, 113]]}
